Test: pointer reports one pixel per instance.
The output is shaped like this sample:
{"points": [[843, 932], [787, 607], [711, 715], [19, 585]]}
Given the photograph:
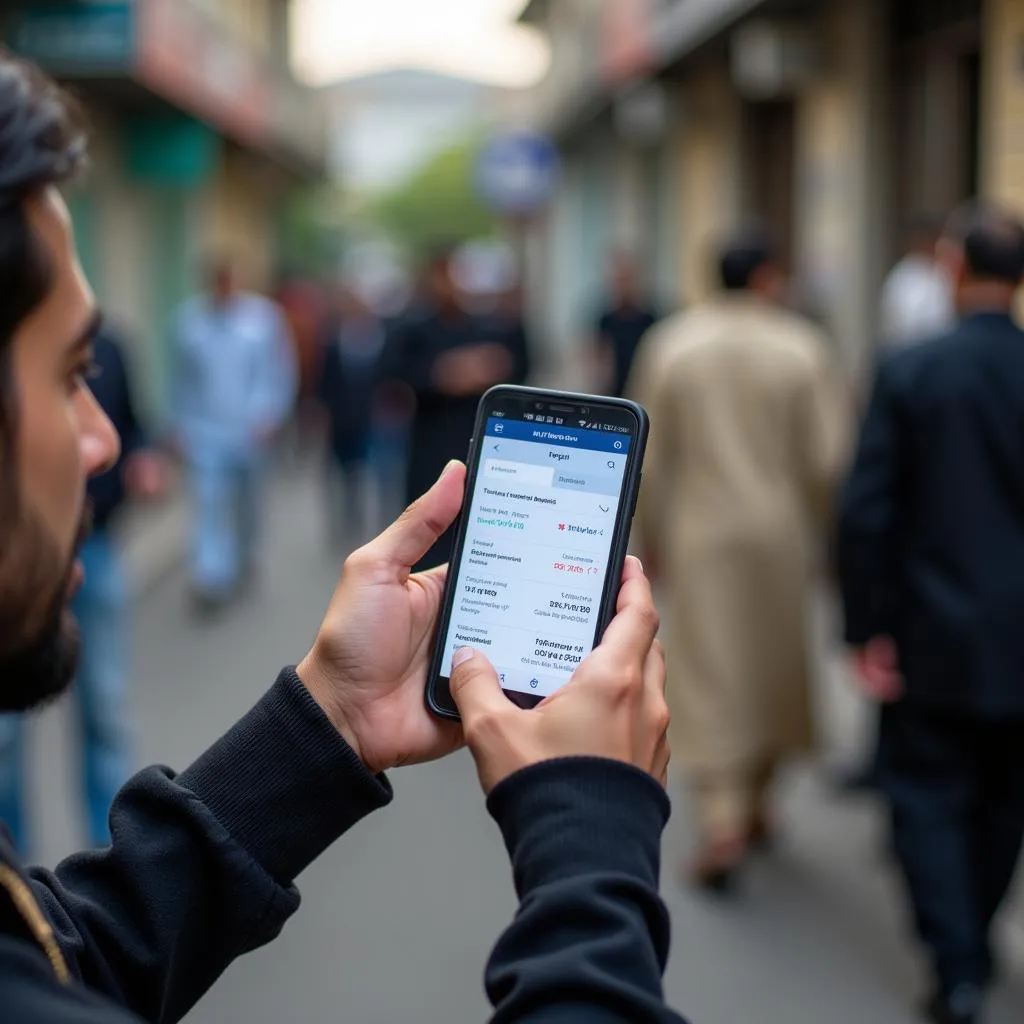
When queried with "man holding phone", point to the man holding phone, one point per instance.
{"points": [[201, 864]]}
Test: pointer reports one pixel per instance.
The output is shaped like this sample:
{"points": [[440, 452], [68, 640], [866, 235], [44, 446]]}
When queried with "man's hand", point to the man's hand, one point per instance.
{"points": [[614, 705], [877, 667], [368, 666]]}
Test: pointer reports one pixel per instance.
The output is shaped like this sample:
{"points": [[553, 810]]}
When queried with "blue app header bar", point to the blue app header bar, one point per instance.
{"points": [[566, 437]]}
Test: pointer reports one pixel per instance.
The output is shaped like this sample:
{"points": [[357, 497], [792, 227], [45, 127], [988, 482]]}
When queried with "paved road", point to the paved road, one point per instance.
{"points": [[398, 918]]}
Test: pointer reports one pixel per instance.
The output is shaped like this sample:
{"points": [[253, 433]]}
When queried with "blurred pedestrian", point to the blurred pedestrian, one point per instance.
{"points": [[353, 350], [235, 387], [748, 439], [449, 358], [393, 409], [917, 297], [931, 550], [629, 315], [101, 608], [305, 310], [916, 304], [505, 324]]}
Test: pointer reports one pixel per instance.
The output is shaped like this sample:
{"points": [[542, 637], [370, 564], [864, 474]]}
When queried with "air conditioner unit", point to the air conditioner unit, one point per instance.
{"points": [[773, 59]]}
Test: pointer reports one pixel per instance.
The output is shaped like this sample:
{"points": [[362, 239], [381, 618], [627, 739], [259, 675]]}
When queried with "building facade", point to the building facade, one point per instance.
{"points": [[199, 135], [830, 123]]}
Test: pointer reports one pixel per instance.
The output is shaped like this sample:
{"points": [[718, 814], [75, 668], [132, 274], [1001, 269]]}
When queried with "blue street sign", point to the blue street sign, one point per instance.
{"points": [[517, 172]]}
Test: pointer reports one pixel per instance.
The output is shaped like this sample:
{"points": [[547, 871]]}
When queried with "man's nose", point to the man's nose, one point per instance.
{"points": [[101, 446]]}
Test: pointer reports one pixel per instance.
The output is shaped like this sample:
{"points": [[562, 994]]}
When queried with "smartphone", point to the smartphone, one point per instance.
{"points": [[539, 547]]}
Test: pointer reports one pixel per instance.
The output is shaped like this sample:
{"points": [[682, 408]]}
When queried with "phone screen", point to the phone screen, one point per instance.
{"points": [[540, 527]]}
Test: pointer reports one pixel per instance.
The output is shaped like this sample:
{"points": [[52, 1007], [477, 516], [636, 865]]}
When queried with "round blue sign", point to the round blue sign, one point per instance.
{"points": [[517, 172]]}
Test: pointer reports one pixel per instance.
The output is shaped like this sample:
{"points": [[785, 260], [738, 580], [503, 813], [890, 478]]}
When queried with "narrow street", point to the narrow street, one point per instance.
{"points": [[398, 918]]}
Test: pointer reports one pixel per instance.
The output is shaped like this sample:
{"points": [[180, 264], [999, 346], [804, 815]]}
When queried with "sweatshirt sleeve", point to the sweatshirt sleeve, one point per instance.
{"points": [[202, 864], [591, 938]]}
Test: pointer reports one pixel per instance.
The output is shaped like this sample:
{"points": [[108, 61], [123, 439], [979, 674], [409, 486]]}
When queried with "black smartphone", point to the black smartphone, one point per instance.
{"points": [[537, 562]]}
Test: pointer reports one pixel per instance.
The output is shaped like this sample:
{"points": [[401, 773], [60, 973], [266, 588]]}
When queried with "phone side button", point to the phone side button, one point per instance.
{"points": [[636, 495], [469, 450]]}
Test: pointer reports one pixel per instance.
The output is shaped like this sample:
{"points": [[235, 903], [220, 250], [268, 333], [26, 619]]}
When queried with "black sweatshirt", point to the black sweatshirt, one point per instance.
{"points": [[201, 867]]}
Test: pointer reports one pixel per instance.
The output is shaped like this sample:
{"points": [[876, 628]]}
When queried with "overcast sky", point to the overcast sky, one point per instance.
{"points": [[473, 38]]}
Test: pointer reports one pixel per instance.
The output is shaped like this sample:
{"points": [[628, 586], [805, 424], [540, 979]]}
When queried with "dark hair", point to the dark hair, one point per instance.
{"points": [[741, 258], [992, 240], [41, 143]]}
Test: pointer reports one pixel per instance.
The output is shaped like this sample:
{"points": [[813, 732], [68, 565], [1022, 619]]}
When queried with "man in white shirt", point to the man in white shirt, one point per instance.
{"points": [[917, 300], [235, 384]]}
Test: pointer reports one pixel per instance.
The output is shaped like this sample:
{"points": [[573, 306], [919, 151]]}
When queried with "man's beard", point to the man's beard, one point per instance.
{"points": [[39, 640]]}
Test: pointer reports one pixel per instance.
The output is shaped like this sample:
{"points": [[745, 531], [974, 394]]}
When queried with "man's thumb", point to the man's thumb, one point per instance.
{"points": [[474, 685], [407, 540]]}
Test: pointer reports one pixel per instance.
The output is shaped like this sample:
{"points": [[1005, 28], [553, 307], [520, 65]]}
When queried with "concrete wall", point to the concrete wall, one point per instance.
{"points": [[1002, 171], [841, 177], [610, 191], [239, 218], [665, 203], [707, 143]]}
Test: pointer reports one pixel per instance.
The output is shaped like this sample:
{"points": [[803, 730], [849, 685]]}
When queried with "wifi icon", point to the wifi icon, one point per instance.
{"points": [[583, 423]]}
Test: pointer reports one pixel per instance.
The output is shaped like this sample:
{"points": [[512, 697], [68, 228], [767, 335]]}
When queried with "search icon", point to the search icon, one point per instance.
{"points": [[617, 445], [611, 465]]}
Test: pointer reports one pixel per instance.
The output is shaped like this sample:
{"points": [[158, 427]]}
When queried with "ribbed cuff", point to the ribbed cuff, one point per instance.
{"points": [[283, 782], [578, 815]]}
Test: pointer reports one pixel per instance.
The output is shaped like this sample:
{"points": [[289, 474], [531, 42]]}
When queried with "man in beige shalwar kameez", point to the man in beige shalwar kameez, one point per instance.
{"points": [[748, 440]]}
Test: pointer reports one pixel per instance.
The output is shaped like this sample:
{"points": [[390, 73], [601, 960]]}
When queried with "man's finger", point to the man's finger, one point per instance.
{"points": [[654, 670], [408, 539], [630, 634], [635, 585], [475, 687], [632, 568]]}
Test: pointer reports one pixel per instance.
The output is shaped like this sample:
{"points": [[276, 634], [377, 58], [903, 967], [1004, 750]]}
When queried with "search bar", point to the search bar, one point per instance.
{"points": [[519, 472]]}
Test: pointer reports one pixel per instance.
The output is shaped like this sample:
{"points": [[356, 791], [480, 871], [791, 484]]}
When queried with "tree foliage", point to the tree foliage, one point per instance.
{"points": [[438, 203]]}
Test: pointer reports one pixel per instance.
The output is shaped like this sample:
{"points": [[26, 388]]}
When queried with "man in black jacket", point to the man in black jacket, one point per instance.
{"points": [[201, 867], [448, 358], [931, 552]]}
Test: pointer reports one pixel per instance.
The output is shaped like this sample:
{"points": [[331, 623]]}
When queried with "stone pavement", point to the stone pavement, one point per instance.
{"points": [[398, 918]]}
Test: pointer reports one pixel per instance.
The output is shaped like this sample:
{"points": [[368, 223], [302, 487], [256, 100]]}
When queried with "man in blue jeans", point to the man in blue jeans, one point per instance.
{"points": [[101, 609]]}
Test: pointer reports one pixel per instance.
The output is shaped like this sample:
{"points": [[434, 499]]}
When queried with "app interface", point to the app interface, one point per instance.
{"points": [[541, 521]]}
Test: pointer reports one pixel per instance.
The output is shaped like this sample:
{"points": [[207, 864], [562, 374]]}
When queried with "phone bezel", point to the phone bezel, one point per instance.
{"points": [[438, 694]]}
